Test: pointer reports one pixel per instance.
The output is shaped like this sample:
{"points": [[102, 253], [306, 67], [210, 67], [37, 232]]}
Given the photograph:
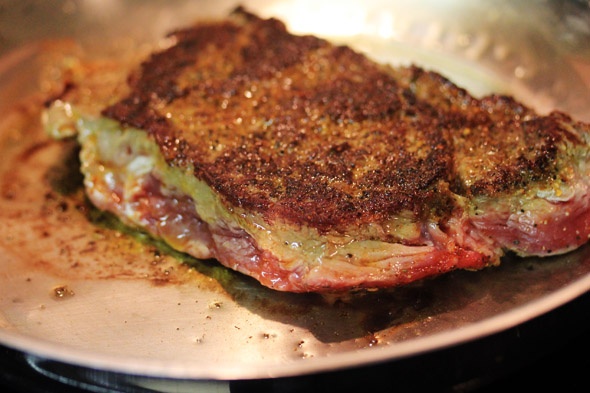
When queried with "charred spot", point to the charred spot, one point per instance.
{"points": [[271, 49], [372, 98], [156, 80], [339, 148]]}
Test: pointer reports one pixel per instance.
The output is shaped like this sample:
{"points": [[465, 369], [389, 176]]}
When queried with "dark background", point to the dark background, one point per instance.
{"points": [[547, 353]]}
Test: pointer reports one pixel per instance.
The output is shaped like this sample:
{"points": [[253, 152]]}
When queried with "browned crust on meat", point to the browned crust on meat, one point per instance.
{"points": [[298, 129]]}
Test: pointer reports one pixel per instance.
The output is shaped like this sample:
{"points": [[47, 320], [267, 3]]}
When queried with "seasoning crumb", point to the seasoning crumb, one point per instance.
{"points": [[62, 292]]}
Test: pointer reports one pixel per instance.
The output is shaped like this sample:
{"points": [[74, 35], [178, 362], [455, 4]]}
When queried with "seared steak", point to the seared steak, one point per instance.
{"points": [[314, 169]]}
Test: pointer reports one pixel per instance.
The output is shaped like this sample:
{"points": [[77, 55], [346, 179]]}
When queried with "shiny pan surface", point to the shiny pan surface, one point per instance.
{"points": [[75, 290]]}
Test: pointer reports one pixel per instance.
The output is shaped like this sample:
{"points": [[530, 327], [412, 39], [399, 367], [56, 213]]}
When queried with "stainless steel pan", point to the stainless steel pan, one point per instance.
{"points": [[85, 295]]}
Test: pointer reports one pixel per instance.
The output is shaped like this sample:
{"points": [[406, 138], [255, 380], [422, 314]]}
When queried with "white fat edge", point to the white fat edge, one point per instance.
{"points": [[60, 120], [573, 171], [112, 148], [559, 193], [295, 243], [526, 209]]}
